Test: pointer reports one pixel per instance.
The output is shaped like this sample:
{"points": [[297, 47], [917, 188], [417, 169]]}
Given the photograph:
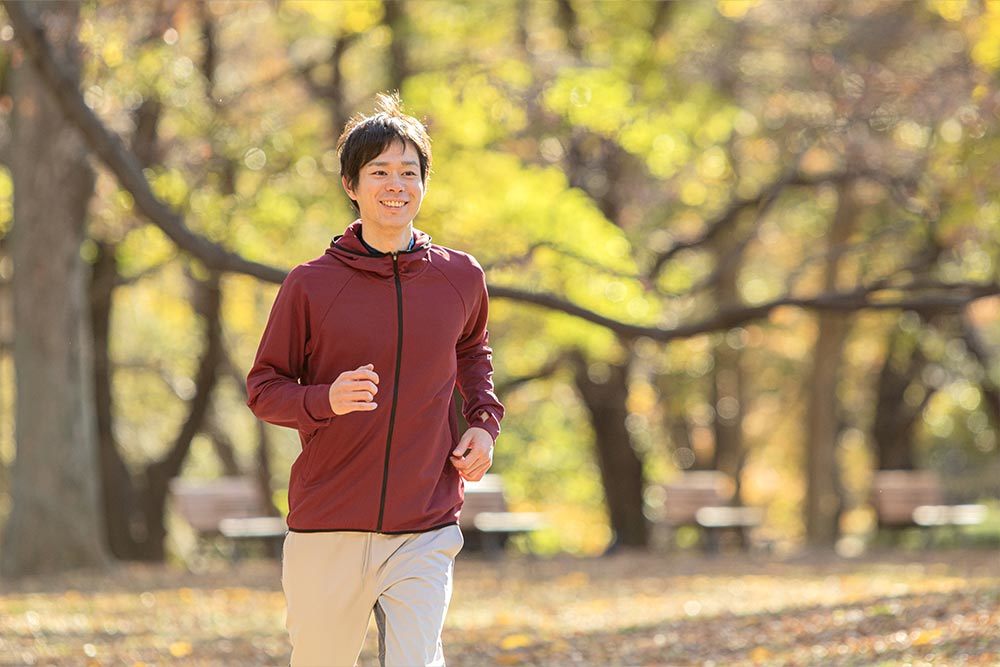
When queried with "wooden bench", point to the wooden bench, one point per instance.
{"points": [[230, 507], [486, 522], [701, 499], [914, 498]]}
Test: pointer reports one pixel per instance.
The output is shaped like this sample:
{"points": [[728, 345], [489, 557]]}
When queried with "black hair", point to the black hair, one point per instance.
{"points": [[365, 137]]}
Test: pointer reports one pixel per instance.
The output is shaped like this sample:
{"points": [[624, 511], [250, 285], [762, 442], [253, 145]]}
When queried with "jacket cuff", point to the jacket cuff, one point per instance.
{"points": [[491, 424], [317, 402]]}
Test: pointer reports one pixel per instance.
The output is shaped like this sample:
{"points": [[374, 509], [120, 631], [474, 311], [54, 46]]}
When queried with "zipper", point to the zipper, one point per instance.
{"points": [[395, 385]]}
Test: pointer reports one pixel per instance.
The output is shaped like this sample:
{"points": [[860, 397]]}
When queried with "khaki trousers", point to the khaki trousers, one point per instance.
{"points": [[333, 581]]}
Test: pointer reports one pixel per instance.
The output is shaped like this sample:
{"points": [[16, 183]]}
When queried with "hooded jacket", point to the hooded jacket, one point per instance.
{"points": [[420, 317]]}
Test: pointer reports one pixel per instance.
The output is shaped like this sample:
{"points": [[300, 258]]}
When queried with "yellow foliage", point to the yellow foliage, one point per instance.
{"points": [[949, 10], [112, 53], [924, 637], [516, 641], [735, 9], [180, 649]]}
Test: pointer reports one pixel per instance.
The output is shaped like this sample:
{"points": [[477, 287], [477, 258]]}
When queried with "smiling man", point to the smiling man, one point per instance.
{"points": [[361, 355]]}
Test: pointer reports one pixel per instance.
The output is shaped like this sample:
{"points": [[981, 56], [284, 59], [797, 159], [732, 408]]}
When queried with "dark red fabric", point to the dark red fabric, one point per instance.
{"points": [[338, 312]]}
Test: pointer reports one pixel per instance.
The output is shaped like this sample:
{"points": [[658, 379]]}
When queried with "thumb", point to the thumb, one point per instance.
{"points": [[366, 367], [463, 445]]}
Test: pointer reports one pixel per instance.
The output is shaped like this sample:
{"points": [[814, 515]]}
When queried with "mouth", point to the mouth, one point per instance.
{"points": [[393, 203]]}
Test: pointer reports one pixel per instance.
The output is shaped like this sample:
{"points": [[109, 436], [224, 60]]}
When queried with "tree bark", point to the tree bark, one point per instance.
{"points": [[55, 522], [117, 490], [824, 501], [396, 20], [894, 422], [621, 467], [727, 376]]}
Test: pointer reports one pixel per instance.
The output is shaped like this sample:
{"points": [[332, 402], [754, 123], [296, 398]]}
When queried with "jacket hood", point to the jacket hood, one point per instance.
{"points": [[350, 249]]}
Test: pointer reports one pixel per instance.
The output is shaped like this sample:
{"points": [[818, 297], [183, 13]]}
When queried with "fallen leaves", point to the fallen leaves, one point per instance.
{"points": [[631, 609]]}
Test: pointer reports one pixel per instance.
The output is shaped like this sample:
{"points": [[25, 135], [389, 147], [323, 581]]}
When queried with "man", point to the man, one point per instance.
{"points": [[361, 354]]}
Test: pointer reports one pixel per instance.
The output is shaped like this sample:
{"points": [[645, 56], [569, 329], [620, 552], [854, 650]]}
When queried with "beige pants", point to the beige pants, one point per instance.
{"points": [[333, 581]]}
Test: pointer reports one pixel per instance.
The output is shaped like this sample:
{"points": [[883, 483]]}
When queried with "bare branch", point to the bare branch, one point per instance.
{"points": [[764, 199], [954, 296], [526, 256], [545, 371], [124, 281]]}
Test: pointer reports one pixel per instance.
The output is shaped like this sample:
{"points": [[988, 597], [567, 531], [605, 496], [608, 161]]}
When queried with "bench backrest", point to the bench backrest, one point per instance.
{"points": [[204, 503], [687, 494], [896, 493], [486, 495]]}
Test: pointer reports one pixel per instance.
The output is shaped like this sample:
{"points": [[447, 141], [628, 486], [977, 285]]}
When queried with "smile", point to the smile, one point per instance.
{"points": [[394, 203]]}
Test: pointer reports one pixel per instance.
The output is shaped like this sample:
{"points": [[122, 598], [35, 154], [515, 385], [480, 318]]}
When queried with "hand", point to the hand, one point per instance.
{"points": [[474, 454], [354, 391]]}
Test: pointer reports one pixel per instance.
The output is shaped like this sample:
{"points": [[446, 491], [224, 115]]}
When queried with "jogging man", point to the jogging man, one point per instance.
{"points": [[361, 354]]}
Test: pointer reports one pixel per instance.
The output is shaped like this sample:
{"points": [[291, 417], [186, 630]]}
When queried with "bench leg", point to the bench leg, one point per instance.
{"points": [[234, 552], [744, 538], [710, 540], [492, 544]]}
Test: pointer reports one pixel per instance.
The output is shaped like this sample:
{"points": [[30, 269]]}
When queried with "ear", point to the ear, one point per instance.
{"points": [[347, 188]]}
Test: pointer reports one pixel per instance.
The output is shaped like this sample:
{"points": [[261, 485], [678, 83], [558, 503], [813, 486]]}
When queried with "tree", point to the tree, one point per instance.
{"points": [[641, 180], [55, 522]]}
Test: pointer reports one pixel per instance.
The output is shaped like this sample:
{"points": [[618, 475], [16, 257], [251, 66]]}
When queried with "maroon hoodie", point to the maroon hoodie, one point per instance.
{"points": [[420, 317]]}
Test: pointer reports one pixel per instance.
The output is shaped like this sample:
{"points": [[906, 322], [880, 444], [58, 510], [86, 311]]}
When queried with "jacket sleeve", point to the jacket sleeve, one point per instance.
{"points": [[274, 389], [481, 406]]}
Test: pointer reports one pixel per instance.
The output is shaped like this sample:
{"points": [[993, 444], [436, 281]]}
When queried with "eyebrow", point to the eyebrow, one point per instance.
{"points": [[384, 163]]}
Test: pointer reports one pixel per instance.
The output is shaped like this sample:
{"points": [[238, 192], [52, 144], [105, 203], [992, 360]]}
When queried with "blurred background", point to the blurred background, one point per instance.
{"points": [[756, 238]]}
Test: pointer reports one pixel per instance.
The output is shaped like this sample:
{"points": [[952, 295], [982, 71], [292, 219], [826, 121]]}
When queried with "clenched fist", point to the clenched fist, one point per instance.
{"points": [[474, 454], [354, 391]]}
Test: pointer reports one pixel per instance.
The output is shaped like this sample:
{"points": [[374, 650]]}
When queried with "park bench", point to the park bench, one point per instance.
{"points": [[701, 499], [229, 507], [486, 522], [914, 498]]}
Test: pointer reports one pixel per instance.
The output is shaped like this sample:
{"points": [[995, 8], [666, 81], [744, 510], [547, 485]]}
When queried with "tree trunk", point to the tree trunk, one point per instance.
{"points": [[621, 467], [118, 493], [727, 374], [208, 300], [55, 522], [824, 501], [894, 422], [397, 21], [977, 346], [223, 447], [263, 440]]}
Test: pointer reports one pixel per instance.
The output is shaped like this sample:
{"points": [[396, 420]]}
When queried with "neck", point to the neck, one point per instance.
{"points": [[390, 240]]}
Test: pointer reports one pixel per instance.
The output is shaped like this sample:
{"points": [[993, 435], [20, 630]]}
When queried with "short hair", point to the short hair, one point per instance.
{"points": [[366, 136]]}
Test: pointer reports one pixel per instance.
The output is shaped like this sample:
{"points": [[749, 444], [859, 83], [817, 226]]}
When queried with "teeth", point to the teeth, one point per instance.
{"points": [[395, 203]]}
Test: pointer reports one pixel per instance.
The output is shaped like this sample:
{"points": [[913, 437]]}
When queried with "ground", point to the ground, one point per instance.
{"points": [[940, 608]]}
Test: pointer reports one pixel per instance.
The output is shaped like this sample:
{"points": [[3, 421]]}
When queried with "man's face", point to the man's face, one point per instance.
{"points": [[389, 188]]}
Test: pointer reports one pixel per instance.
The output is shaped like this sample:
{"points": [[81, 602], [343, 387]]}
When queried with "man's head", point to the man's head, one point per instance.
{"points": [[391, 138]]}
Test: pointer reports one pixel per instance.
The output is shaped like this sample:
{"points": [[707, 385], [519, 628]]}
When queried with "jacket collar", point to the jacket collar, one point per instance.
{"points": [[352, 250]]}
